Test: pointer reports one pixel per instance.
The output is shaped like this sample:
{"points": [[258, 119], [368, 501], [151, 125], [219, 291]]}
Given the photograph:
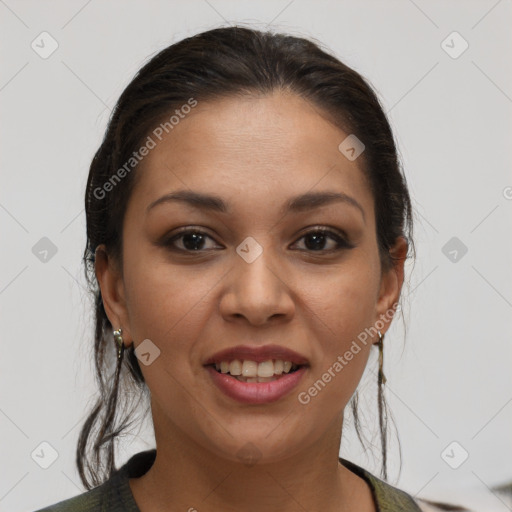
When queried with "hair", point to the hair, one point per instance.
{"points": [[220, 63]]}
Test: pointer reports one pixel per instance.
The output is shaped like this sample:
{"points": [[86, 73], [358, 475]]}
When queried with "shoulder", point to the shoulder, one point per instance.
{"points": [[111, 496], [89, 501], [393, 499], [387, 497]]}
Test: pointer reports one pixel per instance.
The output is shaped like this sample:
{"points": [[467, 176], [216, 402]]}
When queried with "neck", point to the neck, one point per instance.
{"points": [[193, 478]]}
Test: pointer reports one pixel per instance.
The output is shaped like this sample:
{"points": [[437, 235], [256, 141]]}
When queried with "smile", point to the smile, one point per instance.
{"points": [[255, 389]]}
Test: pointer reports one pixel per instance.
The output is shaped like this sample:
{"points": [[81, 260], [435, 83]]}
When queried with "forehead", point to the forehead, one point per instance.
{"points": [[252, 148]]}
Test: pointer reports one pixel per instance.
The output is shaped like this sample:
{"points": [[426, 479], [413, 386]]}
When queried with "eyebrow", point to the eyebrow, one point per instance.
{"points": [[301, 203]]}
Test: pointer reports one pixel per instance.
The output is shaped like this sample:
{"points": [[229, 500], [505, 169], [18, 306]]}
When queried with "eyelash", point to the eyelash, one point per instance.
{"points": [[341, 242]]}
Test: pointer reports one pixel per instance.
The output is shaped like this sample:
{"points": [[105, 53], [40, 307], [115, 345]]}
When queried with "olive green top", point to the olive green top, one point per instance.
{"points": [[115, 494]]}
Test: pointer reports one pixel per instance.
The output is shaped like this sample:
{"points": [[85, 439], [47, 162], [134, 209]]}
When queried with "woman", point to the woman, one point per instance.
{"points": [[247, 228]]}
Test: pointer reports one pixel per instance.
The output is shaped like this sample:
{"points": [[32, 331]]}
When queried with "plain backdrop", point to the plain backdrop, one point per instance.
{"points": [[449, 380]]}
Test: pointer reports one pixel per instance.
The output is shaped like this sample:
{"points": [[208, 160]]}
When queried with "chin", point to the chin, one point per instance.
{"points": [[256, 446]]}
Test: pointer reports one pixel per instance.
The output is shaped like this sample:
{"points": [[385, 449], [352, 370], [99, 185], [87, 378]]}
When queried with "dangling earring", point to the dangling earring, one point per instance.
{"points": [[108, 433], [381, 380], [118, 338], [381, 377]]}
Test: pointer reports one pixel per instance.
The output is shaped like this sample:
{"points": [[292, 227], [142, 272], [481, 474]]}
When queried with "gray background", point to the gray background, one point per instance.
{"points": [[449, 381]]}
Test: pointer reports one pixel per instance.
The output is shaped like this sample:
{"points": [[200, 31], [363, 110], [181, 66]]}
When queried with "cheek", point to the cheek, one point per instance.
{"points": [[342, 302], [169, 307], [340, 308], [168, 304]]}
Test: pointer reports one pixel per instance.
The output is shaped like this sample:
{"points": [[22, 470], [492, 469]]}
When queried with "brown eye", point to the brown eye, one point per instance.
{"points": [[317, 239], [191, 240]]}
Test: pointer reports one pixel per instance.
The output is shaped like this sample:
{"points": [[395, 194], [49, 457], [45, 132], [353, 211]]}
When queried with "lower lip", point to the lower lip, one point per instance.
{"points": [[256, 392]]}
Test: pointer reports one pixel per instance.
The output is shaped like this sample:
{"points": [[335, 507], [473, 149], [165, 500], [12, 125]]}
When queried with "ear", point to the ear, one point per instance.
{"points": [[111, 284], [391, 284]]}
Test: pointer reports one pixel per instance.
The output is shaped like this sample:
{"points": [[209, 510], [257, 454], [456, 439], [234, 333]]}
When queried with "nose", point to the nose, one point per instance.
{"points": [[257, 291]]}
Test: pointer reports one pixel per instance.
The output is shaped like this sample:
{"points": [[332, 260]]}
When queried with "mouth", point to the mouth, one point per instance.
{"points": [[249, 363], [256, 375]]}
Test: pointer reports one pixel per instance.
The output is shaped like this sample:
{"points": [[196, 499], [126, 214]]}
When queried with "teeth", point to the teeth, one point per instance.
{"points": [[251, 371], [255, 379], [266, 369], [235, 367], [265, 379], [278, 367]]}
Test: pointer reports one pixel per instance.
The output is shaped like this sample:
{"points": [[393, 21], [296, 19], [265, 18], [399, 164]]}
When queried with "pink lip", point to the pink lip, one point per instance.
{"points": [[257, 354], [256, 392]]}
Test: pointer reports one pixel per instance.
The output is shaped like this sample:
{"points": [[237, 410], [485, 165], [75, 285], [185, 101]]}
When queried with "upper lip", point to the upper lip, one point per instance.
{"points": [[257, 354]]}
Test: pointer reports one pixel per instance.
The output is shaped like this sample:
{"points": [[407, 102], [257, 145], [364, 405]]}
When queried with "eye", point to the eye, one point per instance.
{"points": [[189, 240], [316, 239]]}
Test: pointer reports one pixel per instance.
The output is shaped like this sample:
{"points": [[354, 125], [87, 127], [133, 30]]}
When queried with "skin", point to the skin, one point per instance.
{"points": [[256, 153]]}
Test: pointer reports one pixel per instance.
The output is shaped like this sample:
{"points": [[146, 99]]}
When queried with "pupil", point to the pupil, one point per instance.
{"points": [[319, 240], [196, 239]]}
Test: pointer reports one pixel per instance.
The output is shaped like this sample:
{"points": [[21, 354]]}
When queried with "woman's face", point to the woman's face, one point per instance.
{"points": [[258, 274]]}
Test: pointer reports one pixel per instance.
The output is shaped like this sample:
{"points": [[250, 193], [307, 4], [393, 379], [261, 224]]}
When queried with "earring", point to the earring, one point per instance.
{"points": [[118, 338], [381, 376], [381, 380]]}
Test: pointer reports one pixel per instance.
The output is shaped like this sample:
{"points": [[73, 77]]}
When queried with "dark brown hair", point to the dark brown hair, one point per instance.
{"points": [[222, 62]]}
